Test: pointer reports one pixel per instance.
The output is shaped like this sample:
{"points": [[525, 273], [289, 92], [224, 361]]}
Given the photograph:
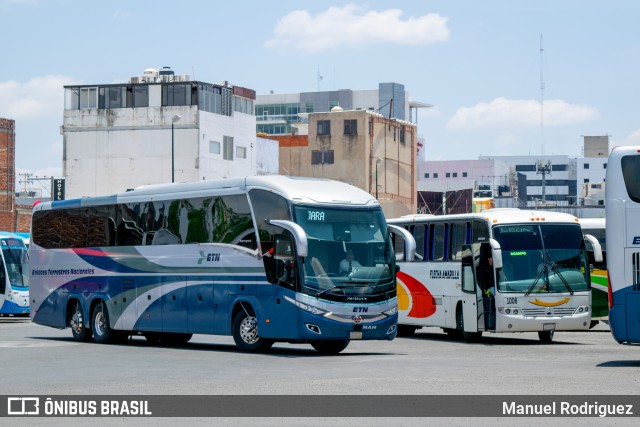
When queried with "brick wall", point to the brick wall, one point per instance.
{"points": [[7, 175]]}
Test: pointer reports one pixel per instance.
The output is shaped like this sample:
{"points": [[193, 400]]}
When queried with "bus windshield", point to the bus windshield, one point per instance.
{"points": [[350, 256], [16, 260], [542, 258]]}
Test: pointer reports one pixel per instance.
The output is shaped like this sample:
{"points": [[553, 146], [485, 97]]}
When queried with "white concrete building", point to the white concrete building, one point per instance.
{"points": [[533, 180], [591, 170], [157, 128]]}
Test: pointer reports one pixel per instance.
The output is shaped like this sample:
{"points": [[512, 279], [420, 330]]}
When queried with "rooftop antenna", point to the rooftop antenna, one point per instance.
{"points": [[541, 100]]}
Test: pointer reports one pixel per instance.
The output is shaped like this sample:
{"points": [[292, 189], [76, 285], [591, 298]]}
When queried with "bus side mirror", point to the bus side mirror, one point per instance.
{"points": [[496, 253], [595, 244], [409, 241]]}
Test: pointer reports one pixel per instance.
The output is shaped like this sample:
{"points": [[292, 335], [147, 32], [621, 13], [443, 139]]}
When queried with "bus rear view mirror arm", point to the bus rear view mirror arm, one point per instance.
{"points": [[298, 234]]}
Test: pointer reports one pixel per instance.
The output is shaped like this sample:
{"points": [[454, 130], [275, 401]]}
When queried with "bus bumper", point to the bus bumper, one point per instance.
{"points": [[315, 327], [516, 323]]}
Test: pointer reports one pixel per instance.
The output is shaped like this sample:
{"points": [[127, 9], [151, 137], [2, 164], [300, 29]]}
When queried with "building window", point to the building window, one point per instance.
{"points": [[525, 168], [321, 157], [455, 174], [309, 107], [214, 147], [228, 147], [435, 175], [604, 165], [464, 174], [402, 135], [586, 165], [350, 127], [88, 97], [178, 94], [600, 202], [586, 180], [324, 127], [426, 175], [333, 104], [241, 152], [448, 175]]}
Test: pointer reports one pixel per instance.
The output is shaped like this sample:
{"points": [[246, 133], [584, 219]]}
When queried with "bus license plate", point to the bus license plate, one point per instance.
{"points": [[355, 335], [549, 326]]}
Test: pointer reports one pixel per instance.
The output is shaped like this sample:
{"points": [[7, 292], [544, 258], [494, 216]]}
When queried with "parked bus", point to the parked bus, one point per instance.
{"points": [[502, 270], [256, 258], [14, 276], [599, 277], [622, 208]]}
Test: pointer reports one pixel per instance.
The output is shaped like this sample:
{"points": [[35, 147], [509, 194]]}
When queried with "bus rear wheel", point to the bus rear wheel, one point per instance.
{"points": [[78, 328], [102, 332], [330, 347], [244, 329], [545, 336]]}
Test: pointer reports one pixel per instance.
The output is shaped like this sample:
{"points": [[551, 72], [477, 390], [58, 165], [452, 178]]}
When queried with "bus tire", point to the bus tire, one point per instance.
{"points": [[330, 347], [469, 337], [546, 337], [102, 332], [244, 329], [406, 331], [77, 324]]}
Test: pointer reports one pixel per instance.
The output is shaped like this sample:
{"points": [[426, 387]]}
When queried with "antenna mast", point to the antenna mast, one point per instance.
{"points": [[541, 100]]}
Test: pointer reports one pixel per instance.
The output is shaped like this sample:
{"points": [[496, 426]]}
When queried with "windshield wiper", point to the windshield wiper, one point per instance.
{"points": [[556, 270], [328, 290], [535, 281]]}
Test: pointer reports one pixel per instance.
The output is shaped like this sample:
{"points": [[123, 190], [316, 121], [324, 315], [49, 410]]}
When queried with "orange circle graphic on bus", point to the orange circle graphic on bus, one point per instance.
{"points": [[418, 298]]}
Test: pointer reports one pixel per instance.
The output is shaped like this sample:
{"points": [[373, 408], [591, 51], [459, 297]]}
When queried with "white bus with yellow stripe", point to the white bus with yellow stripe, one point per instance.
{"points": [[501, 270]]}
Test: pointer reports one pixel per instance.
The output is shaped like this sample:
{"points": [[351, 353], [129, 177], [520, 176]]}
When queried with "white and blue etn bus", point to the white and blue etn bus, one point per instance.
{"points": [[256, 258], [14, 276], [622, 209], [500, 270]]}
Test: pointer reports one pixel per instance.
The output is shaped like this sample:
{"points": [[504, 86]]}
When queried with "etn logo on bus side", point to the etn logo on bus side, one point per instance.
{"points": [[636, 240], [360, 309], [212, 257]]}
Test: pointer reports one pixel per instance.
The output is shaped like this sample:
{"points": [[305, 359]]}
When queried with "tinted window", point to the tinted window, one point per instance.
{"points": [[631, 172]]}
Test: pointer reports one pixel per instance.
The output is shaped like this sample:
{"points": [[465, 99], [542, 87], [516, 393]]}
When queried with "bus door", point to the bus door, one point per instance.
{"points": [[472, 311]]}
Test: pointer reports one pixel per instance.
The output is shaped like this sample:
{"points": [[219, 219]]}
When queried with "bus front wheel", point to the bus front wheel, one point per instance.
{"points": [[245, 333], [545, 336], [330, 347], [78, 328]]}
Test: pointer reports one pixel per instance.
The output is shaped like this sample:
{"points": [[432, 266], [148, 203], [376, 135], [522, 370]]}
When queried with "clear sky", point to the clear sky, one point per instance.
{"points": [[478, 62]]}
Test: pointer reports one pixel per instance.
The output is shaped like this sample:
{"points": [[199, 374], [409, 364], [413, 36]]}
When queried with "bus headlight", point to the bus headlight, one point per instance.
{"points": [[306, 307], [391, 312]]}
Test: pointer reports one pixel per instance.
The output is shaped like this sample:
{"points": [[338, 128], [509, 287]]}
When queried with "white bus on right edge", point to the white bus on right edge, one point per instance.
{"points": [[623, 243], [500, 270]]}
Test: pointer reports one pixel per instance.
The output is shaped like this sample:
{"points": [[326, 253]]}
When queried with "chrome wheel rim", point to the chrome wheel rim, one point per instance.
{"points": [[249, 330], [76, 321], [99, 323]]}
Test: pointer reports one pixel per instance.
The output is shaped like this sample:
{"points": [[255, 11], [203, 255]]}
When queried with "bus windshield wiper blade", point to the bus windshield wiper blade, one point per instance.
{"points": [[535, 281], [556, 270], [328, 290]]}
